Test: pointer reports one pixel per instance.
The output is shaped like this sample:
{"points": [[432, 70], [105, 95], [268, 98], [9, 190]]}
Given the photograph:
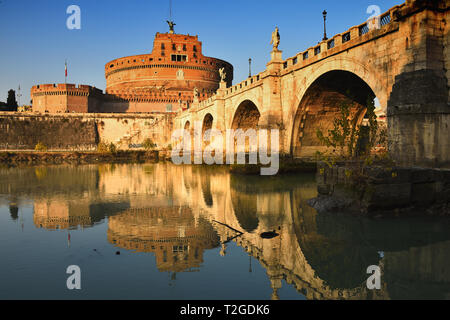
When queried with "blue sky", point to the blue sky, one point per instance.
{"points": [[35, 40]]}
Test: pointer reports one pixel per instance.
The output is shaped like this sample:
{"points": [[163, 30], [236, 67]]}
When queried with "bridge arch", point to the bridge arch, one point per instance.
{"points": [[208, 121], [376, 78], [246, 116], [320, 105]]}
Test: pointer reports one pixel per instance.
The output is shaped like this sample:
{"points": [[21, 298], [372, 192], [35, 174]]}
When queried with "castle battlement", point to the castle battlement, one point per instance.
{"points": [[64, 87]]}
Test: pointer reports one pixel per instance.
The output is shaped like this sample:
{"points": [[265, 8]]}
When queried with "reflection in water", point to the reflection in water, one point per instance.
{"points": [[172, 234], [178, 213]]}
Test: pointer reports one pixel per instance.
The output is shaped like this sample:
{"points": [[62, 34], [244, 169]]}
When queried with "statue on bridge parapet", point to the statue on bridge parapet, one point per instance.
{"points": [[196, 95], [223, 74], [275, 39]]}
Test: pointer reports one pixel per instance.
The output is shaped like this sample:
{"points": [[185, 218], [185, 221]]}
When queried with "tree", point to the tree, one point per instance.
{"points": [[11, 101], [348, 139], [355, 144]]}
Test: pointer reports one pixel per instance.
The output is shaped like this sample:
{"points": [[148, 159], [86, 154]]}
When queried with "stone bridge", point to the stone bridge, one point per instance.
{"points": [[402, 58]]}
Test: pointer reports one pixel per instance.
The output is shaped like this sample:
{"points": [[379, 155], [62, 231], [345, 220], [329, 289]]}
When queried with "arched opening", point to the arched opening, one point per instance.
{"points": [[321, 104], [187, 126], [246, 116], [207, 125]]}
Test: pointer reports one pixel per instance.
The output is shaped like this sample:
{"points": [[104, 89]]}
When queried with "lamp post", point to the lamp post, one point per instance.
{"points": [[250, 67], [18, 96], [325, 25]]}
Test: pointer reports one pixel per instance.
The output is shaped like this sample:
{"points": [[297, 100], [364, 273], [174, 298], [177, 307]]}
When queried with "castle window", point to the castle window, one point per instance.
{"points": [[184, 47], [195, 55], [163, 47], [179, 57], [162, 54], [195, 48], [174, 47]]}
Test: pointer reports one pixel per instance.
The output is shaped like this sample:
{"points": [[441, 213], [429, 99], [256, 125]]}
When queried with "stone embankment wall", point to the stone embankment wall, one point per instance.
{"points": [[384, 189], [83, 132]]}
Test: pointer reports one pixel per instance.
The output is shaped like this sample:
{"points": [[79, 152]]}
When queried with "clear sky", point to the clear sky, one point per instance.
{"points": [[34, 39]]}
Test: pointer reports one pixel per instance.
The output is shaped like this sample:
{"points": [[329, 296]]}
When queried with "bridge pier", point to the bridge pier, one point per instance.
{"points": [[418, 107], [419, 120]]}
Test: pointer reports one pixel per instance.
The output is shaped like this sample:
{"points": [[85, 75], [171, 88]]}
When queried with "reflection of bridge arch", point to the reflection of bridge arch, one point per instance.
{"points": [[245, 210], [320, 105], [246, 116], [283, 257]]}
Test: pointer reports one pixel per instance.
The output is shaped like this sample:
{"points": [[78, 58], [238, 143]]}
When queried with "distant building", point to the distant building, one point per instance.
{"points": [[162, 81]]}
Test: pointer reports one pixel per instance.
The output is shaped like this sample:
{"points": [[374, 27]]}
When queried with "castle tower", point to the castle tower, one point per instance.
{"points": [[165, 79]]}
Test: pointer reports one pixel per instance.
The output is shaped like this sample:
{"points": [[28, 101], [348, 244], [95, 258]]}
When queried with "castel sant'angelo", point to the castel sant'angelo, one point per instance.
{"points": [[165, 80]]}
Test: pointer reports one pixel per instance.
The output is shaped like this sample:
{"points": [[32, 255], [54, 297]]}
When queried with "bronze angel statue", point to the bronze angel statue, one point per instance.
{"points": [[171, 26]]}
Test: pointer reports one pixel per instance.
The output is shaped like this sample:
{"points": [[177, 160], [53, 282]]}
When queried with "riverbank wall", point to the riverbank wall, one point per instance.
{"points": [[381, 190], [83, 132], [76, 157]]}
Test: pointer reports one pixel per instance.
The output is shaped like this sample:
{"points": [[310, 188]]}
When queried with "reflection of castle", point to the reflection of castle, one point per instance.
{"points": [[54, 213], [169, 210], [176, 238], [61, 214], [162, 81]]}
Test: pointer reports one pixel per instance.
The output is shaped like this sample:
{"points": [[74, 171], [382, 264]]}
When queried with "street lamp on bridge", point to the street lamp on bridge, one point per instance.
{"points": [[325, 25]]}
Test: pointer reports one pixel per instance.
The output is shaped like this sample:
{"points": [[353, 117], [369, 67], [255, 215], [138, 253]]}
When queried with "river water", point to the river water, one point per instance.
{"points": [[159, 231]]}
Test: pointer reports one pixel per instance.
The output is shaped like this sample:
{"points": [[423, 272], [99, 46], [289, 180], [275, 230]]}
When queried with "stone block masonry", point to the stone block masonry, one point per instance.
{"points": [[83, 132], [410, 189]]}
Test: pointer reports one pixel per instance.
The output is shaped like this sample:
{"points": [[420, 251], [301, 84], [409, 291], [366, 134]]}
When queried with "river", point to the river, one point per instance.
{"points": [[160, 231]]}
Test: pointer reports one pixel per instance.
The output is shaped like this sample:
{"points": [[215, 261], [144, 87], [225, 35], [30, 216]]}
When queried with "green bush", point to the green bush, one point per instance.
{"points": [[40, 147], [148, 144], [106, 148], [102, 147], [112, 148]]}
